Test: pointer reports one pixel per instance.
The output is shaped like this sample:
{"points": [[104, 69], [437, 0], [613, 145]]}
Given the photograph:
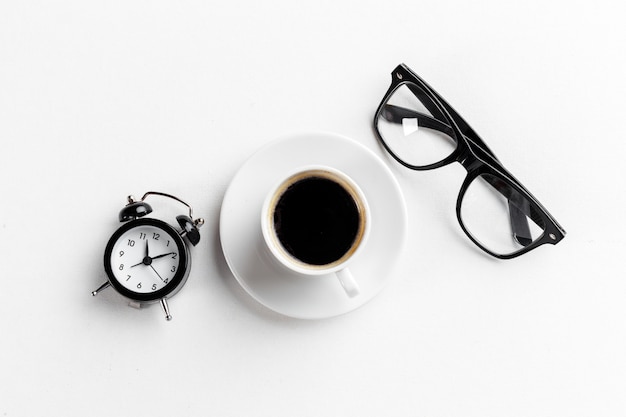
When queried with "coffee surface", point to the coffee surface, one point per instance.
{"points": [[316, 220]]}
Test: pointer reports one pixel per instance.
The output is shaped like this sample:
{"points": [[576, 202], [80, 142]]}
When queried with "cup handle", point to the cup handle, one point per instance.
{"points": [[348, 283]]}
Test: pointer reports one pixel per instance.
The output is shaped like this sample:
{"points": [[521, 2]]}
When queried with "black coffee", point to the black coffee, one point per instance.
{"points": [[316, 220]]}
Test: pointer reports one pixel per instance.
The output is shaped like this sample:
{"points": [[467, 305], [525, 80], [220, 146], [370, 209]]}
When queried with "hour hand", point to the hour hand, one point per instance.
{"points": [[145, 261]]}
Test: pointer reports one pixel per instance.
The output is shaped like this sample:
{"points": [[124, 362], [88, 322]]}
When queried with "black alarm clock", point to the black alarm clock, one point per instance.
{"points": [[147, 260]]}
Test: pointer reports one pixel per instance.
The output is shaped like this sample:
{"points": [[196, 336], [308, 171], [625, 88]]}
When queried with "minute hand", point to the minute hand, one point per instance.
{"points": [[163, 255]]}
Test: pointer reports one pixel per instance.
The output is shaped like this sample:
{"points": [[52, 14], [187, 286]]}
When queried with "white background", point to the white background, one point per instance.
{"points": [[101, 99]]}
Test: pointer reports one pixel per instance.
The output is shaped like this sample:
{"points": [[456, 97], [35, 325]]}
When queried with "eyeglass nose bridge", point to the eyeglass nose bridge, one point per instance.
{"points": [[467, 158]]}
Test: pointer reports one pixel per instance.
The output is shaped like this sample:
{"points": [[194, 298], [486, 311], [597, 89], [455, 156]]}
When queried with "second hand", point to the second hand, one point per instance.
{"points": [[155, 271]]}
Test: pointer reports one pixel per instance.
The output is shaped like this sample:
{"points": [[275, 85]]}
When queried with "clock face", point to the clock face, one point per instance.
{"points": [[146, 259]]}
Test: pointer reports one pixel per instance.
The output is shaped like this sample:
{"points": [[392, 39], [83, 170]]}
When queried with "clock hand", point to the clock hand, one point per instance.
{"points": [[155, 271], [161, 256], [145, 261]]}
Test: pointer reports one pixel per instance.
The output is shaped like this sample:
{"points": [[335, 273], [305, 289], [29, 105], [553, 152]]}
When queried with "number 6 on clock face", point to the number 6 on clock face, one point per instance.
{"points": [[146, 260]]}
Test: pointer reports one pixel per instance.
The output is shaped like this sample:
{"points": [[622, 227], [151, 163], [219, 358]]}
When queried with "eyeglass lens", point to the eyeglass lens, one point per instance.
{"points": [[415, 139], [498, 216]]}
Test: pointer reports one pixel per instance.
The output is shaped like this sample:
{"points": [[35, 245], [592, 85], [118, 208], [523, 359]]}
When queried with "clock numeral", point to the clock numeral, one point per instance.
{"points": [[174, 255], [121, 267], [173, 269], [121, 253], [139, 285], [131, 242], [128, 278], [156, 236], [142, 236], [168, 244], [166, 280], [154, 287]]}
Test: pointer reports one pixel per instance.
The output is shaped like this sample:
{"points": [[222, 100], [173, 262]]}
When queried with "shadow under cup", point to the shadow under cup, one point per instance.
{"points": [[315, 221]]}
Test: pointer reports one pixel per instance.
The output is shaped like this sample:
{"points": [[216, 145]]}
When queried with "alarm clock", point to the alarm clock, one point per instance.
{"points": [[147, 260]]}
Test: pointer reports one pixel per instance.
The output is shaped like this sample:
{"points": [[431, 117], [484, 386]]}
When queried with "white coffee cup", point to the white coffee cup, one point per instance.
{"points": [[316, 221]]}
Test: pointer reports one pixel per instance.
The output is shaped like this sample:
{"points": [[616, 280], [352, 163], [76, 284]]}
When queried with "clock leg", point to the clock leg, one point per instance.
{"points": [[100, 288], [166, 309]]}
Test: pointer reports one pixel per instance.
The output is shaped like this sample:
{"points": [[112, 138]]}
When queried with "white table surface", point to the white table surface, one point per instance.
{"points": [[102, 99]]}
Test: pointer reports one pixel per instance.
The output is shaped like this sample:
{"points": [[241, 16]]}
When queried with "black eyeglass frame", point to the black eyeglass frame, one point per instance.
{"points": [[471, 152]]}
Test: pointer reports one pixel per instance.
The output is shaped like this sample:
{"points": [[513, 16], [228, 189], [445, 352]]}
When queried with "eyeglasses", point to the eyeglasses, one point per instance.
{"points": [[422, 131]]}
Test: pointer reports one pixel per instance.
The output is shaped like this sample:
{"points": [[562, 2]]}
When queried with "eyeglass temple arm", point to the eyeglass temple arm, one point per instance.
{"points": [[395, 114], [519, 212], [519, 220], [519, 224], [465, 128]]}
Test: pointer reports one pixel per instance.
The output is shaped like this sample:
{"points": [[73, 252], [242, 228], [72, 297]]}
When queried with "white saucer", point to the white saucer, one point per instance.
{"points": [[286, 292]]}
